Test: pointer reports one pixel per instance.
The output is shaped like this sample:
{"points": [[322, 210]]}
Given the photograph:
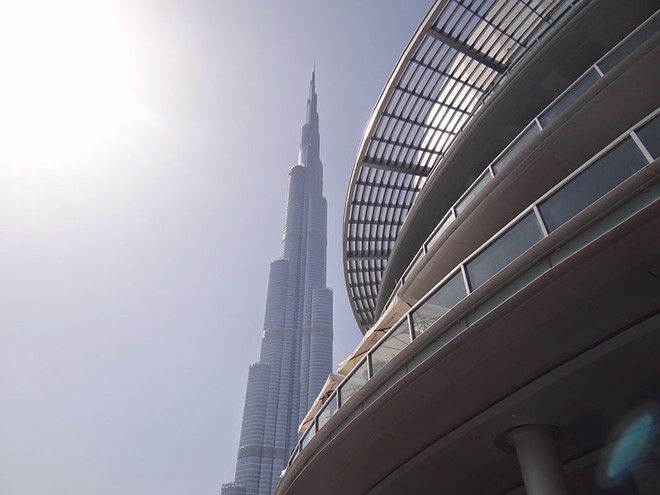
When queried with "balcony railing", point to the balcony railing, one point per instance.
{"points": [[604, 65], [612, 166]]}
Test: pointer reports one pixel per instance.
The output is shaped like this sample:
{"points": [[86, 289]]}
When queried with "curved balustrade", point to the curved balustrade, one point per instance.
{"points": [[618, 162], [604, 65]]}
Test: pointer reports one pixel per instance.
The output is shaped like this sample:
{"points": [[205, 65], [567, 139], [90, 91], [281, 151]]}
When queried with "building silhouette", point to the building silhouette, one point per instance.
{"points": [[502, 258], [296, 348]]}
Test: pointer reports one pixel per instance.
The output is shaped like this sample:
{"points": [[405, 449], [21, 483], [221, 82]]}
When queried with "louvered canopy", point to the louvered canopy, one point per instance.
{"points": [[460, 54]]}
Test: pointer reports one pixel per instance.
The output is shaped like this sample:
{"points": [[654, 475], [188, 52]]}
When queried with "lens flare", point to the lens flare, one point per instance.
{"points": [[631, 442]]}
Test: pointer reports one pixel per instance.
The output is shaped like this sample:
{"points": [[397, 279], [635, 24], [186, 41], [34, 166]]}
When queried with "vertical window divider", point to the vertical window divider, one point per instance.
{"points": [[370, 372], [538, 123], [641, 146], [466, 281], [539, 219], [411, 328]]}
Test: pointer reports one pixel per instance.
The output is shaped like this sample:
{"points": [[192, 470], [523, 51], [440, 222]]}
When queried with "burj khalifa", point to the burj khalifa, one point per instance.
{"points": [[296, 346]]}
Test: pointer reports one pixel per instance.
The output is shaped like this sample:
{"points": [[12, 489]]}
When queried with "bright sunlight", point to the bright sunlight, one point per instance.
{"points": [[68, 77]]}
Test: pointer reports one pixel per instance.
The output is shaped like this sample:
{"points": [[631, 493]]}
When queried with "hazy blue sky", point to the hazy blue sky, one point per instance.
{"points": [[133, 273]]}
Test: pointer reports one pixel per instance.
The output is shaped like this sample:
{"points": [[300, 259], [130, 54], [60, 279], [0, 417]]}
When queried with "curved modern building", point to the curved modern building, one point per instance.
{"points": [[502, 257]]}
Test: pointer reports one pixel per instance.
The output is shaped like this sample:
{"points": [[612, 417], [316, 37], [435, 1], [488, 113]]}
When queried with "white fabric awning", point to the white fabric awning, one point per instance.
{"points": [[393, 313], [330, 385]]}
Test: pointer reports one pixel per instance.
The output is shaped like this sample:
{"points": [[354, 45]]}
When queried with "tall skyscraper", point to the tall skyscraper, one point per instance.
{"points": [[296, 347]]}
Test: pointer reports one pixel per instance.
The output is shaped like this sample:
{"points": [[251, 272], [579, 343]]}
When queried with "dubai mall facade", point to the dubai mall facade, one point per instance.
{"points": [[502, 257]]}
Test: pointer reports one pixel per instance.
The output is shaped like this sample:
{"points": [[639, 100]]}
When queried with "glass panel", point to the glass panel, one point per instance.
{"points": [[445, 298], [473, 191], [568, 98], [418, 257], [649, 134], [355, 382], [327, 412], [392, 345], [523, 139], [600, 177], [294, 454], [630, 45], [309, 434], [504, 250], [442, 226]]}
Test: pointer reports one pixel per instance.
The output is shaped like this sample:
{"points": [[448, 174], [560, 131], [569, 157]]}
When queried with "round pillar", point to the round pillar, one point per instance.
{"points": [[538, 459]]}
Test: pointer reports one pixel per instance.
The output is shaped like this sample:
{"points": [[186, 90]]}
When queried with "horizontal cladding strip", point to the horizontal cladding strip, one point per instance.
{"points": [[262, 451], [447, 75], [377, 205], [358, 221], [403, 144], [414, 189], [278, 332], [361, 284], [400, 167], [433, 99], [367, 255], [366, 310], [326, 329], [426, 125], [371, 239]]}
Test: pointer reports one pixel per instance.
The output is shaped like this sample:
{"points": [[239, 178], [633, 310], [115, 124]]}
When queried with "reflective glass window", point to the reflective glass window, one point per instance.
{"points": [[514, 242], [392, 345], [442, 226], [521, 142], [309, 434], [568, 98], [445, 298], [327, 412], [649, 134], [354, 383], [600, 177], [630, 45], [473, 191]]}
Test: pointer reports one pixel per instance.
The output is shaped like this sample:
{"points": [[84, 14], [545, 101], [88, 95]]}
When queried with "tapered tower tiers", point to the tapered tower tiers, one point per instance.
{"points": [[296, 348]]}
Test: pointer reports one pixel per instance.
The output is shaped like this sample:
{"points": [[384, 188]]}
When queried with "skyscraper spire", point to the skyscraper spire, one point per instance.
{"points": [[296, 347], [310, 139]]}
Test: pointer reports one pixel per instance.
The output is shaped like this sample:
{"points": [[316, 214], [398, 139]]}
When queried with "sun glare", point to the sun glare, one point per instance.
{"points": [[67, 81]]}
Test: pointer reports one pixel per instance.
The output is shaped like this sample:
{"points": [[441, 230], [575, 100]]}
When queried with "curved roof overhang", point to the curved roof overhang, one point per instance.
{"points": [[459, 56]]}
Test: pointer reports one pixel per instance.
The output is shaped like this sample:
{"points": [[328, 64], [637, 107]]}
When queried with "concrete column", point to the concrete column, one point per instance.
{"points": [[539, 462], [647, 477]]}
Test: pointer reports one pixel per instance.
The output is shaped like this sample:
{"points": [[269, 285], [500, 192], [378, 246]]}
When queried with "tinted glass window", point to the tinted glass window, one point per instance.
{"points": [[649, 134], [328, 411], [630, 45], [392, 345], [504, 250], [439, 303], [569, 98], [354, 383], [602, 176]]}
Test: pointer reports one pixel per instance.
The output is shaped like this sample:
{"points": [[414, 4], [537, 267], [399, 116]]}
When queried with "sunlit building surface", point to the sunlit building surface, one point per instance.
{"points": [[296, 348], [502, 257]]}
